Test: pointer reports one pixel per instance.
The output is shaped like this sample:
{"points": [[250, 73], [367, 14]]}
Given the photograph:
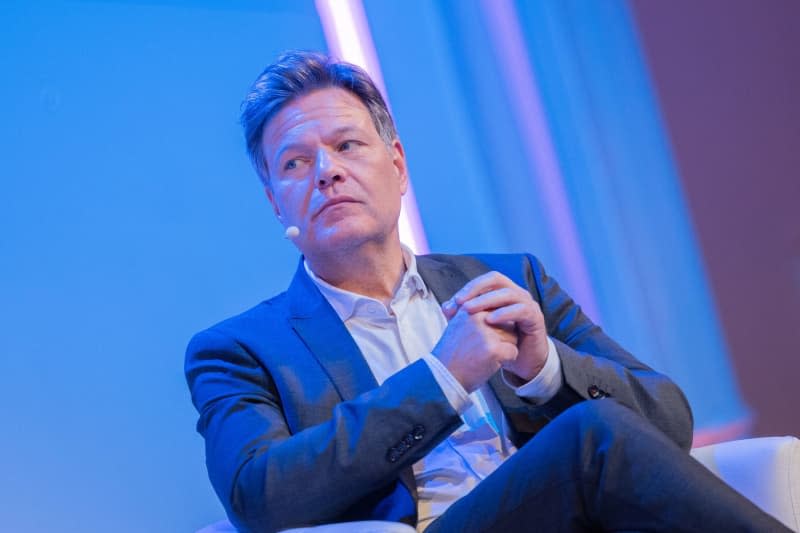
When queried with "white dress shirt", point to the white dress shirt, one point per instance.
{"points": [[393, 337]]}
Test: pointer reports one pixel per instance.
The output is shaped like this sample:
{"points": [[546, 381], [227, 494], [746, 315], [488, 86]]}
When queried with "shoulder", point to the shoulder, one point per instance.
{"points": [[523, 268], [238, 329]]}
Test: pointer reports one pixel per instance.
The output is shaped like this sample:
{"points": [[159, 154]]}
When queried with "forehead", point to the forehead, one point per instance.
{"points": [[318, 112]]}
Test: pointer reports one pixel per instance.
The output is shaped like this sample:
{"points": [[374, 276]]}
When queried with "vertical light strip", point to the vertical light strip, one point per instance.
{"points": [[511, 52], [348, 37]]}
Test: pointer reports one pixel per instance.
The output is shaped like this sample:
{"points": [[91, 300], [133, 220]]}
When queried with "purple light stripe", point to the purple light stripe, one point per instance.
{"points": [[508, 42], [348, 36]]}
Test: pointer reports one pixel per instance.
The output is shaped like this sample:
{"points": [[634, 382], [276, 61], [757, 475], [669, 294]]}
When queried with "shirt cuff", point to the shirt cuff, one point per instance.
{"points": [[456, 394], [547, 382]]}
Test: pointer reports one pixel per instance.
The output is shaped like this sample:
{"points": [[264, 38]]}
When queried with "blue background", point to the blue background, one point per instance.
{"points": [[130, 220]]}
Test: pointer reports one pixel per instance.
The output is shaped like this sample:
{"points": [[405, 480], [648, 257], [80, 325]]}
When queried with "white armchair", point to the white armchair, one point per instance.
{"points": [[765, 470]]}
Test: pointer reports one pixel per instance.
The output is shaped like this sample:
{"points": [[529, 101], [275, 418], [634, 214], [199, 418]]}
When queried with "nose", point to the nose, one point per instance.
{"points": [[328, 170]]}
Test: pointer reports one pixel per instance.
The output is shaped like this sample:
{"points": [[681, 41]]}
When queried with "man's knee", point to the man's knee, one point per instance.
{"points": [[575, 437], [600, 417]]}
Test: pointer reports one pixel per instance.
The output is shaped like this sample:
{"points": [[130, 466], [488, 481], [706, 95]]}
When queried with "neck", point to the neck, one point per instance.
{"points": [[370, 270]]}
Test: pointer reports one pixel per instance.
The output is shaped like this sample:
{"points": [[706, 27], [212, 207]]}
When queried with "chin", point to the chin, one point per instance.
{"points": [[349, 237], [338, 240]]}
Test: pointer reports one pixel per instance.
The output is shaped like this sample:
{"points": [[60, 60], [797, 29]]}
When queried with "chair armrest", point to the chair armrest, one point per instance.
{"points": [[765, 470]]}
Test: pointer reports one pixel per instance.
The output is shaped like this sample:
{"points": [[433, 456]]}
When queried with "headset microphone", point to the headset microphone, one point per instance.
{"points": [[292, 232]]}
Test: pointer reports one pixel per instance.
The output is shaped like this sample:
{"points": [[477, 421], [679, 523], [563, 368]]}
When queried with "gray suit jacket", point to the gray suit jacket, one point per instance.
{"points": [[297, 430]]}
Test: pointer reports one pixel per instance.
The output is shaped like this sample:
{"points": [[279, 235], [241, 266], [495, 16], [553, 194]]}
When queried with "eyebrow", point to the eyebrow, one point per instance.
{"points": [[335, 133]]}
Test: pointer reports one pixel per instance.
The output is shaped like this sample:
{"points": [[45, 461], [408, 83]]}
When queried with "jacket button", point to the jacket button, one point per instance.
{"points": [[596, 392], [418, 432], [393, 455]]}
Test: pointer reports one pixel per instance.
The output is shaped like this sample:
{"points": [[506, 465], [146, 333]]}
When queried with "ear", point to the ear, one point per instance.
{"points": [[271, 198], [399, 162]]}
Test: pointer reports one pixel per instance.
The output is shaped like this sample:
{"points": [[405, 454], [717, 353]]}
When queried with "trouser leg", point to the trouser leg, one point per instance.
{"points": [[601, 467]]}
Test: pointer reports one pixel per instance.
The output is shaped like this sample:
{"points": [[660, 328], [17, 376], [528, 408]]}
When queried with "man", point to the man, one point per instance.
{"points": [[452, 393]]}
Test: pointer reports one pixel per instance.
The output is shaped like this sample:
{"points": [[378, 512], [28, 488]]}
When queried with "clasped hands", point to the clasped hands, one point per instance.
{"points": [[493, 323]]}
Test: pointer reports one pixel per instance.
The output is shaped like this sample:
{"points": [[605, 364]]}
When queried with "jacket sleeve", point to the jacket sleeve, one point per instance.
{"points": [[270, 478], [595, 366]]}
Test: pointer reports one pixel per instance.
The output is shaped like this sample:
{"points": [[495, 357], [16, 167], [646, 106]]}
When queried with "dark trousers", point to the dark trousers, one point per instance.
{"points": [[601, 467]]}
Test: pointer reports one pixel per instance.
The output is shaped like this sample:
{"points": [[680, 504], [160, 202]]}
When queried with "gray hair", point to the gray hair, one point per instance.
{"points": [[294, 74]]}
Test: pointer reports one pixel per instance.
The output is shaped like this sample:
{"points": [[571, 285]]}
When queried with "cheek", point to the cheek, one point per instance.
{"points": [[292, 199]]}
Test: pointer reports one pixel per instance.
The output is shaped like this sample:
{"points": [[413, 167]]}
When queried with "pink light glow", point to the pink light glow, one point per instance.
{"points": [[737, 429]]}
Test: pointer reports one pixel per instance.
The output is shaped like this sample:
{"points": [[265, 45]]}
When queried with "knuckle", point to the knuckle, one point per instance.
{"points": [[495, 276], [509, 354]]}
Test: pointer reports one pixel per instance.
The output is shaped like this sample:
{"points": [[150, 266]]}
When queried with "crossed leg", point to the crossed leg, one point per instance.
{"points": [[601, 467]]}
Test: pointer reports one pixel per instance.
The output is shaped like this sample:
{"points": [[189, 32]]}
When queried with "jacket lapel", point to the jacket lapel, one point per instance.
{"points": [[327, 338], [443, 279]]}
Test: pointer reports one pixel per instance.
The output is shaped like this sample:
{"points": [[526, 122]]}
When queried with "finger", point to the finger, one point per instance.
{"points": [[449, 308], [481, 284], [504, 350], [501, 332], [507, 352], [508, 327], [528, 318], [507, 333], [497, 298]]}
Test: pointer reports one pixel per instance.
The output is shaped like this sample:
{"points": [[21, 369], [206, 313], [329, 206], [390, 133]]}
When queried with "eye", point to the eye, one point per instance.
{"points": [[346, 146], [290, 164]]}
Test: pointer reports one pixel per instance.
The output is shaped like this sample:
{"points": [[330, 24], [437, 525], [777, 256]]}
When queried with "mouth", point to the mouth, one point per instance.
{"points": [[334, 202]]}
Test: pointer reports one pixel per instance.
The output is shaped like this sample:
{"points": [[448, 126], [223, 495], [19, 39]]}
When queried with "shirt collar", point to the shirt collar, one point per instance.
{"points": [[345, 302]]}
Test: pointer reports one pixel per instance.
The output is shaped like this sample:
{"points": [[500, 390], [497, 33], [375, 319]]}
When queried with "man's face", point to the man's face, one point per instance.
{"points": [[331, 174]]}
